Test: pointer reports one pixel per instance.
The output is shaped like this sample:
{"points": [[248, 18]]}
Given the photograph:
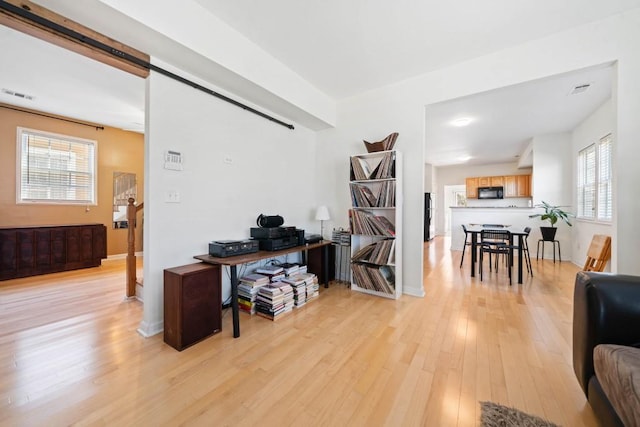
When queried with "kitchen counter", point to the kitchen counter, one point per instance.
{"points": [[491, 207], [516, 217]]}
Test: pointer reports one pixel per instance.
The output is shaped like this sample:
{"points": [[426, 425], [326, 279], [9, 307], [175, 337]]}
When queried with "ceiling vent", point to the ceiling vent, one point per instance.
{"points": [[580, 88], [18, 94]]}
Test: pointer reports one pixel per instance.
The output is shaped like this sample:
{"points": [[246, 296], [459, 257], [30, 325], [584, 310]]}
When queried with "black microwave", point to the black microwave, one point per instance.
{"points": [[490, 192]]}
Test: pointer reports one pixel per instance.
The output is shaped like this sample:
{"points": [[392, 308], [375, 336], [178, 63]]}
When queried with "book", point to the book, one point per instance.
{"points": [[269, 269]]}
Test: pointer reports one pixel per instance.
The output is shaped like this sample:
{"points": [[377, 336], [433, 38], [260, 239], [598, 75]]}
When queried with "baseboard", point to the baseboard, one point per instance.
{"points": [[124, 256], [148, 330], [414, 292]]}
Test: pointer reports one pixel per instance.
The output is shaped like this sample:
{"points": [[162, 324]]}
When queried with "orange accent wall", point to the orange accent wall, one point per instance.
{"points": [[118, 151]]}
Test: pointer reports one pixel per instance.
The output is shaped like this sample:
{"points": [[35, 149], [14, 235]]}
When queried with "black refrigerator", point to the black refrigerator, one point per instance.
{"points": [[427, 217]]}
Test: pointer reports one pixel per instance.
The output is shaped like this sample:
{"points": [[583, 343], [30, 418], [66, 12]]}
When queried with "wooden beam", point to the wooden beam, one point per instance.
{"points": [[36, 23]]}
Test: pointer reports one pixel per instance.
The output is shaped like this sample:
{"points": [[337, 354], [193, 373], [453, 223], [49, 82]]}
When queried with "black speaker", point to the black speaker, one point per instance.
{"points": [[269, 220]]}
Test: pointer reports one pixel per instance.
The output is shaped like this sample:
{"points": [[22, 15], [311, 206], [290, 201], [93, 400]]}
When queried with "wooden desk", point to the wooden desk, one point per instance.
{"points": [[234, 261]]}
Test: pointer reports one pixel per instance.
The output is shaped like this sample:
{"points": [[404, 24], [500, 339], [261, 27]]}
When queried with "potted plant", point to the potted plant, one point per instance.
{"points": [[551, 214]]}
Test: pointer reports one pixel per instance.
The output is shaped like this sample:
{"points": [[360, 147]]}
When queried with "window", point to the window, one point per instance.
{"points": [[55, 168], [595, 181]]}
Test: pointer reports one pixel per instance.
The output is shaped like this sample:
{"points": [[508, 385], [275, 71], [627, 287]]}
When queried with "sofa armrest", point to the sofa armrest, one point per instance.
{"points": [[606, 310]]}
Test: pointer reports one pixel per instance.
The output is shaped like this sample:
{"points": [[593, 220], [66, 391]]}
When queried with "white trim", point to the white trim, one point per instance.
{"points": [[148, 330], [123, 256]]}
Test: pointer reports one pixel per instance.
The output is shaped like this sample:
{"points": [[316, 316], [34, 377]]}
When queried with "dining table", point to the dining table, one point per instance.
{"points": [[476, 229]]}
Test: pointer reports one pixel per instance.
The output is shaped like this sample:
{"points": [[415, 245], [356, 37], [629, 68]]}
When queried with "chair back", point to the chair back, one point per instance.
{"points": [[598, 254], [495, 236], [464, 228], [527, 230], [493, 225]]}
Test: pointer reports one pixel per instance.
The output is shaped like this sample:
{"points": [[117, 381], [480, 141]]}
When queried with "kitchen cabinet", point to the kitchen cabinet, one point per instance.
{"points": [[472, 188], [496, 181], [514, 185], [517, 186]]}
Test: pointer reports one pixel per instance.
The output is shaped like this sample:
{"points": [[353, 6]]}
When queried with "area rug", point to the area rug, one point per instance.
{"points": [[494, 415]]}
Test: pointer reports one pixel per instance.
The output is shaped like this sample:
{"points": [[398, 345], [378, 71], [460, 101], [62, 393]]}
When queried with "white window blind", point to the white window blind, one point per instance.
{"points": [[595, 173], [605, 204], [56, 168]]}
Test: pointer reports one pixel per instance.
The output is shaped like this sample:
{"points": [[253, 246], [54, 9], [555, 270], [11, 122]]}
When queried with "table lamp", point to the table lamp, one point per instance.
{"points": [[322, 215]]}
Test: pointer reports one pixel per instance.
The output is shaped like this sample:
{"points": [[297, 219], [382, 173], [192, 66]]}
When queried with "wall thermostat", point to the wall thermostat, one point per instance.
{"points": [[173, 160]]}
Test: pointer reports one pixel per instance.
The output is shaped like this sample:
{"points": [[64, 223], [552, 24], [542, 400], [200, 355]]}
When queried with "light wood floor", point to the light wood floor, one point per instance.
{"points": [[70, 354]]}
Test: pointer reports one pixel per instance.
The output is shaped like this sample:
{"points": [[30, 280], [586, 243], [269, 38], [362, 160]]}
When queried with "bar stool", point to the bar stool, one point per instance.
{"points": [[554, 242]]}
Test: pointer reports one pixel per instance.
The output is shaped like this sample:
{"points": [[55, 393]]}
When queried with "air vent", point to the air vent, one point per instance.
{"points": [[580, 88], [18, 94]]}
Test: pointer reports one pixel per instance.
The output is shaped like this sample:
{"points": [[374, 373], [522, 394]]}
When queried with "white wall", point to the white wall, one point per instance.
{"points": [[552, 181], [594, 127], [272, 172], [400, 108]]}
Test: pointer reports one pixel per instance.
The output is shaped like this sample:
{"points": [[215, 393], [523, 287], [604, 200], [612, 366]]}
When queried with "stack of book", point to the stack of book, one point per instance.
{"points": [[312, 286], [275, 273], [248, 288], [290, 269], [299, 286], [274, 300]]}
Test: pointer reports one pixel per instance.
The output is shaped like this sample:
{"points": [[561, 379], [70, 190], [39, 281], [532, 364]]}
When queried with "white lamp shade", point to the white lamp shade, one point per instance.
{"points": [[322, 213]]}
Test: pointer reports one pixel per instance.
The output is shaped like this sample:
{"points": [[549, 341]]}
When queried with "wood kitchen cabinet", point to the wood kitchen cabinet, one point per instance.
{"points": [[496, 181], [192, 304], [29, 251], [517, 186], [472, 188]]}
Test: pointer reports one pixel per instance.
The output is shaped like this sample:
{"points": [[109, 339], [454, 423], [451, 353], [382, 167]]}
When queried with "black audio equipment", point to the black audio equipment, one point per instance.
{"points": [[272, 232], [300, 234], [225, 248], [278, 244], [313, 238], [269, 220]]}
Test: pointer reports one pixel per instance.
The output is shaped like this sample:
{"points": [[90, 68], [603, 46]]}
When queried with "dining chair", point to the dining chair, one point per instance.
{"points": [[598, 254], [493, 226], [466, 243], [495, 242], [525, 250]]}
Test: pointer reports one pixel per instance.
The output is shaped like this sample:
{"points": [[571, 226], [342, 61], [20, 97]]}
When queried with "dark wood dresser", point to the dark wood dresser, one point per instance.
{"points": [[192, 304], [29, 251]]}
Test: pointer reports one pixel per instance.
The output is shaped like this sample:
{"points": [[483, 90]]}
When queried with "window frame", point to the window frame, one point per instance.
{"points": [[597, 184], [93, 169]]}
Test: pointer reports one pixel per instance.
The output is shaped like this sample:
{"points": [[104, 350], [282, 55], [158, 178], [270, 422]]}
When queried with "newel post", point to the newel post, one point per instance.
{"points": [[131, 248]]}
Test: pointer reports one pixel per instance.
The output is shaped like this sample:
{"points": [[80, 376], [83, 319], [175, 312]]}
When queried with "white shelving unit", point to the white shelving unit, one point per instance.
{"points": [[376, 223]]}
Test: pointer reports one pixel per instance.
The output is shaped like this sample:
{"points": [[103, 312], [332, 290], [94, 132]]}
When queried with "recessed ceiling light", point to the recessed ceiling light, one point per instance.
{"points": [[462, 121]]}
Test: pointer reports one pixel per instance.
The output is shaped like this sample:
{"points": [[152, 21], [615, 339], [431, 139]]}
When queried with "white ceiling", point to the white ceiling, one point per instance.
{"points": [[505, 120], [65, 83], [344, 48]]}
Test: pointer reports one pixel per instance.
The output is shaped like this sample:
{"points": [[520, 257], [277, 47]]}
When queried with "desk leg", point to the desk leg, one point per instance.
{"points": [[474, 251], [234, 301], [325, 265], [520, 255]]}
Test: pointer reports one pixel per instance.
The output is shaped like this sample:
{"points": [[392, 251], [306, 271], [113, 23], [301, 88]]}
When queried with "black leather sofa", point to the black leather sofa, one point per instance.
{"points": [[606, 311]]}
